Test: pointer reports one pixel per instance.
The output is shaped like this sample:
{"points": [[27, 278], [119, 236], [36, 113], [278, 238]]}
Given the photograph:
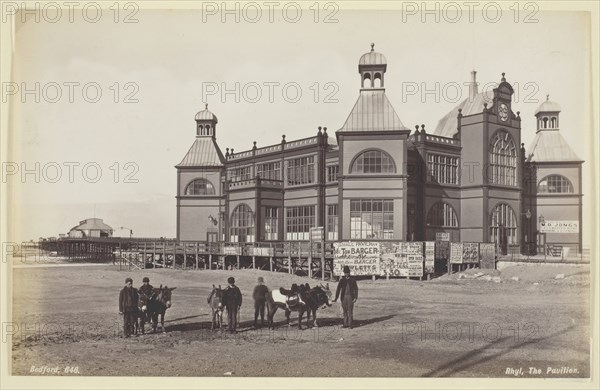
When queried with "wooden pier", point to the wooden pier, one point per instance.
{"points": [[293, 257]]}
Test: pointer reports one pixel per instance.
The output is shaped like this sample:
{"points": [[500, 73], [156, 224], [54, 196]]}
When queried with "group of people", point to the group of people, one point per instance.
{"points": [[347, 291], [129, 300], [233, 303]]}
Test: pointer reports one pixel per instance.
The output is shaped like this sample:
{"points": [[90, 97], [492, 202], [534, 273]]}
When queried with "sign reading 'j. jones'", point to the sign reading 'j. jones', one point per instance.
{"points": [[361, 257], [559, 227]]}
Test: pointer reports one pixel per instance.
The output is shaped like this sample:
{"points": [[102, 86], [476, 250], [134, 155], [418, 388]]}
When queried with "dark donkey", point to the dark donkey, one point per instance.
{"points": [[310, 300], [143, 314], [215, 301], [158, 305]]}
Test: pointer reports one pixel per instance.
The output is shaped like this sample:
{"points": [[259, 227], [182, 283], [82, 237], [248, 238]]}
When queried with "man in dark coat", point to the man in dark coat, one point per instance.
{"points": [[260, 299], [348, 289], [128, 306], [233, 302]]}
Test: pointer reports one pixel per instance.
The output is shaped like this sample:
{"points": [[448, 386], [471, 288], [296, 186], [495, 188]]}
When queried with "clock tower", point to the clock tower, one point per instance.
{"points": [[502, 101], [491, 155]]}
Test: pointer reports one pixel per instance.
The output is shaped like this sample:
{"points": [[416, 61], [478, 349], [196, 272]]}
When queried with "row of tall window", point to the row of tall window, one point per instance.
{"points": [[298, 222], [239, 174], [369, 219], [444, 172], [301, 171], [442, 169], [372, 219], [269, 171]]}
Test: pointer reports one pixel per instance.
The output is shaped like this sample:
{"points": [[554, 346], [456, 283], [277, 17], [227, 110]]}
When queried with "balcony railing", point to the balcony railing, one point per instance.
{"points": [[255, 182]]}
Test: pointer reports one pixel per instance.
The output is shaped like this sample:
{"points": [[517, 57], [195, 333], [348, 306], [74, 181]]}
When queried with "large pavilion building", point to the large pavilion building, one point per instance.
{"points": [[471, 179]]}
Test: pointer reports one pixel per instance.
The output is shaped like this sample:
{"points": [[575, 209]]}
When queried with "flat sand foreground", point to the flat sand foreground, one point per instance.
{"points": [[66, 322]]}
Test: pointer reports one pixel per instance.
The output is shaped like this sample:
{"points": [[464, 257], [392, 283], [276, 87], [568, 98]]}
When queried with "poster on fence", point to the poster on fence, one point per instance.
{"points": [[487, 252], [456, 252], [430, 257], [362, 257], [403, 259], [415, 265], [470, 252], [393, 262]]}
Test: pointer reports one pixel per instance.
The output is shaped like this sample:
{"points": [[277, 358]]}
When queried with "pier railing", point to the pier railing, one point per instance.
{"points": [[294, 257]]}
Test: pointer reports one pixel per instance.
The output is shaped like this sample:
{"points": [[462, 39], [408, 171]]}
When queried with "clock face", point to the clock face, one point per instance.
{"points": [[503, 112]]}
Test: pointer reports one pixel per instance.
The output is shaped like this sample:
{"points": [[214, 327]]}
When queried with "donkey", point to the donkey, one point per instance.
{"points": [[309, 301], [143, 314], [159, 304], [215, 301]]}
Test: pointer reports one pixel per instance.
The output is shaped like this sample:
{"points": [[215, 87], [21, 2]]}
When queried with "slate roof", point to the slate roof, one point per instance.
{"points": [[550, 146], [203, 153], [373, 112]]}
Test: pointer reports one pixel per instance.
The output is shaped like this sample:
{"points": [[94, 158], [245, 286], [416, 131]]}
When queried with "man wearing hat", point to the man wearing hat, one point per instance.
{"points": [[233, 302], [128, 306], [348, 289], [260, 299], [145, 291]]}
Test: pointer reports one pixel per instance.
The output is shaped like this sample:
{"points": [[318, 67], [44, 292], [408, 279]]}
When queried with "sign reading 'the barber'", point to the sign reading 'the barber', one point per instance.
{"points": [[559, 227]]}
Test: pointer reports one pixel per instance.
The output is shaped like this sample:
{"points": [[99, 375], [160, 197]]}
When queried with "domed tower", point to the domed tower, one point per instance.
{"points": [[372, 67], [373, 155], [547, 115], [199, 189], [554, 179], [206, 123]]}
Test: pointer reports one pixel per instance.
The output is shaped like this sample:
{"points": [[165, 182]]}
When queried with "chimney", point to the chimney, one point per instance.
{"points": [[473, 86]]}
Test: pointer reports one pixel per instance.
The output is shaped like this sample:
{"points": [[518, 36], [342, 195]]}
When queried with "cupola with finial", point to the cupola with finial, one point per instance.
{"points": [[206, 123], [372, 67], [547, 115]]}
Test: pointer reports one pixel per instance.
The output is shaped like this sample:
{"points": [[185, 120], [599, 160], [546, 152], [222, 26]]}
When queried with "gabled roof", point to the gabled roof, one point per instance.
{"points": [[373, 112], [203, 153], [550, 146], [447, 126]]}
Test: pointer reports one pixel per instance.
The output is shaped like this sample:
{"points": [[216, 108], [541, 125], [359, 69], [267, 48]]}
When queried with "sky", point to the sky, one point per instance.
{"points": [[112, 155]]}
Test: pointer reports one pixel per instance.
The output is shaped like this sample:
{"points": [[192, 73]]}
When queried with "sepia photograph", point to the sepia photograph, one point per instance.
{"points": [[299, 194]]}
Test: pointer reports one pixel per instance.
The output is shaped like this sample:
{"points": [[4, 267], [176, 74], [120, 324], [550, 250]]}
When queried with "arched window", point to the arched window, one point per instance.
{"points": [[555, 184], [503, 160], [545, 120], [553, 122], [377, 80], [503, 225], [373, 161], [442, 214], [367, 82], [242, 224], [200, 187]]}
